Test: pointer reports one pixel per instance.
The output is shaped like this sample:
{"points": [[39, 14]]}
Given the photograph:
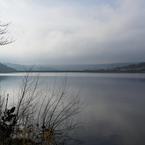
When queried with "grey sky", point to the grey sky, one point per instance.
{"points": [[74, 31]]}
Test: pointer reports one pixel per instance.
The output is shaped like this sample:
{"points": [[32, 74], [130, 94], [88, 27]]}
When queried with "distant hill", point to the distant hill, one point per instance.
{"points": [[138, 67], [79, 67], [114, 67], [6, 69], [20, 67]]}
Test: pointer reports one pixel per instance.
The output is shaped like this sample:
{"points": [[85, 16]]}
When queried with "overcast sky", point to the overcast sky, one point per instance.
{"points": [[74, 31]]}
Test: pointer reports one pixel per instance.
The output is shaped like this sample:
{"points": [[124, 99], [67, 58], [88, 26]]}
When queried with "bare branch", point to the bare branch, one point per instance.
{"points": [[4, 39]]}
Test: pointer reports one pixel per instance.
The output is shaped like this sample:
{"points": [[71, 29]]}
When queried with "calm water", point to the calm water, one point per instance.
{"points": [[113, 111]]}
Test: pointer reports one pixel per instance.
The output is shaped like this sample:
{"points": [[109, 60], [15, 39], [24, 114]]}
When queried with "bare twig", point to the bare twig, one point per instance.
{"points": [[4, 39]]}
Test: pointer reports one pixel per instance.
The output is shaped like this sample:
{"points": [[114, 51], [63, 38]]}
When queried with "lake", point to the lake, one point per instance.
{"points": [[113, 105]]}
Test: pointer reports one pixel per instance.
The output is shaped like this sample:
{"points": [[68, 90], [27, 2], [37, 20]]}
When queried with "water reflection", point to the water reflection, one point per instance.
{"points": [[113, 104]]}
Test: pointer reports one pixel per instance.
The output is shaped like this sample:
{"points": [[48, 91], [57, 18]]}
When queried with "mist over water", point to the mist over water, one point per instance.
{"points": [[113, 105]]}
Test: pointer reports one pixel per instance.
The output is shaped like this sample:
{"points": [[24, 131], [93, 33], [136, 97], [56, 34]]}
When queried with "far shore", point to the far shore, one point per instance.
{"points": [[74, 71]]}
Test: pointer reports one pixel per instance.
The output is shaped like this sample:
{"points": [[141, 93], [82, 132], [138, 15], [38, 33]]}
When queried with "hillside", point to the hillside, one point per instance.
{"points": [[6, 69], [72, 67], [101, 68], [138, 67]]}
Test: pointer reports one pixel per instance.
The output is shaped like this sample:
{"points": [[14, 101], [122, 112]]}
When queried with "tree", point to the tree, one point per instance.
{"points": [[4, 39]]}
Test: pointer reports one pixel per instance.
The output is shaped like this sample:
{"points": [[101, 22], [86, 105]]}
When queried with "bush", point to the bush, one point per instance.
{"points": [[50, 120]]}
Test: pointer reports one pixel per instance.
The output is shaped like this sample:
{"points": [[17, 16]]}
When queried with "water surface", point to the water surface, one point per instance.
{"points": [[113, 111]]}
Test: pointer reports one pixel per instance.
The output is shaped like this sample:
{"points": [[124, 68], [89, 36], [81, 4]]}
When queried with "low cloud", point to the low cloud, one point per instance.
{"points": [[55, 33]]}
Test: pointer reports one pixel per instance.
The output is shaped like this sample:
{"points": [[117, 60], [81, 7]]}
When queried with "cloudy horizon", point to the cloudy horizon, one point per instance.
{"points": [[74, 31]]}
